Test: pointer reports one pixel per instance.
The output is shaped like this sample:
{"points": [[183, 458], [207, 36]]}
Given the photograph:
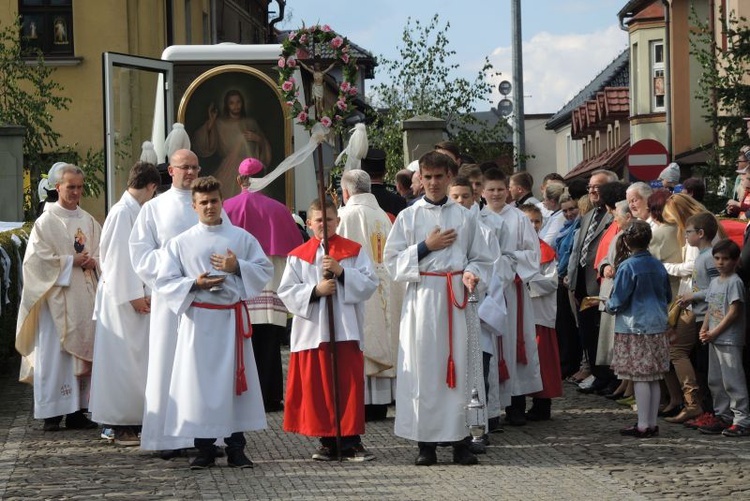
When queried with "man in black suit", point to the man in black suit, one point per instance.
{"points": [[374, 165], [582, 277]]}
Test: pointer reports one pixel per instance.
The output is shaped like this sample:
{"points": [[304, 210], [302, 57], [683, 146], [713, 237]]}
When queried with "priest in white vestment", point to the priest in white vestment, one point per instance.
{"points": [[55, 333], [519, 253], [363, 221], [123, 303], [436, 247], [160, 220], [207, 273]]}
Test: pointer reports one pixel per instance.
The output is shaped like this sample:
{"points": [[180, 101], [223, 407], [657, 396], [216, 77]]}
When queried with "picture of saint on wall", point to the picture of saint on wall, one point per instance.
{"points": [[231, 113]]}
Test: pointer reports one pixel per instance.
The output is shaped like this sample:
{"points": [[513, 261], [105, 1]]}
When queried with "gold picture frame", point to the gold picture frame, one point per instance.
{"points": [[222, 137]]}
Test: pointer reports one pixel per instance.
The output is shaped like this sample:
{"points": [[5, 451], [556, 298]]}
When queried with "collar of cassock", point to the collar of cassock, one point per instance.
{"points": [[338, 248], [439, 202]]}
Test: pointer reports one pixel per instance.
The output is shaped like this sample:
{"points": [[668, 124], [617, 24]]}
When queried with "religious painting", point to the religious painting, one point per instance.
{"points": [[233, 112]]}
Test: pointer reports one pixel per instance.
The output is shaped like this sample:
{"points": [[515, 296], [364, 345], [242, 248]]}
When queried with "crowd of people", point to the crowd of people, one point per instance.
{"points": [[166, 322]]}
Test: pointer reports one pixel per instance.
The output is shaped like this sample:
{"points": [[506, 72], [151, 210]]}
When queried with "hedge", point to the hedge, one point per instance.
{"points": [[10, 311]]}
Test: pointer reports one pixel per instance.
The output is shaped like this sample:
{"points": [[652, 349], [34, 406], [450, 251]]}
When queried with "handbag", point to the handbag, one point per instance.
{"points": [[673, 313]]}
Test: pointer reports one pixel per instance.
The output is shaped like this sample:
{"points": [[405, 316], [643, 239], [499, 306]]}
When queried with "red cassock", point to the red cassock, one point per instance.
{"points": [[546, 341], [309, 405]]}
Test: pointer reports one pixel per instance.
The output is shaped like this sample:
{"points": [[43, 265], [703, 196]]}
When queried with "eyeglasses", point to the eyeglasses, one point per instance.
{"points": [[592, 187], [195, 168]]}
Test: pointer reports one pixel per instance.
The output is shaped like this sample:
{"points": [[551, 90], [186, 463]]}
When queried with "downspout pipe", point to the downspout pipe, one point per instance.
{"points": [[668, 74]]}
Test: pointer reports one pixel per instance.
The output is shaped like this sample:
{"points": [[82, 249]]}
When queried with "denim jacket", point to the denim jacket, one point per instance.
{"points": [[564, 245], [640, 295]]}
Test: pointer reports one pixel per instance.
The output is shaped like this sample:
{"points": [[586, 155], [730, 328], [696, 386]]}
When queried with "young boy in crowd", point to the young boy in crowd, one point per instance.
{"points": [[543, 291], [700, 230], [520, 256], [724, 331], [345, 276], [460, 191]]}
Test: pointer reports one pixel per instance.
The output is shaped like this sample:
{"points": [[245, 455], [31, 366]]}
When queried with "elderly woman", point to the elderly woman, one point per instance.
{"points": [[637, 197]]}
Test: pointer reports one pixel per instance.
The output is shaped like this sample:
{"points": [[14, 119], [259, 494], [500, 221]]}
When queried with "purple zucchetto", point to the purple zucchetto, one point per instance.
{"points": [[250, 166]]}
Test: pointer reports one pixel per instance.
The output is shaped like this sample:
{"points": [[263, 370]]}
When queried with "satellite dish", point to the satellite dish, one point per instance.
{"points": [[505, 107]]}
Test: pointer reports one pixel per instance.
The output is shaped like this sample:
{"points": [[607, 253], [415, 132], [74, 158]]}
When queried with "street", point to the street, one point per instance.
{"points": [[577, 455]]}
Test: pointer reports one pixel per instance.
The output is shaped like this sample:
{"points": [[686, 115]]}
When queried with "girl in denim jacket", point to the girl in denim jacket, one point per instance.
{"points": [[639, 300]]}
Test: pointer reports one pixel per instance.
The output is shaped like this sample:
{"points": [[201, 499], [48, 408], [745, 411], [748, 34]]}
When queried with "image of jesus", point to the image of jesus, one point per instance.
{"points": [[231, 135]]}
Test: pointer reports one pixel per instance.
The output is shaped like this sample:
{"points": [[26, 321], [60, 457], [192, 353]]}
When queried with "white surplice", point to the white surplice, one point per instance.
{"points": [[427, 409], [492, 309], [363, 221], [55, 332], [310, 326], [160, 220], [118, 375], [522, 243], [202, 400]]}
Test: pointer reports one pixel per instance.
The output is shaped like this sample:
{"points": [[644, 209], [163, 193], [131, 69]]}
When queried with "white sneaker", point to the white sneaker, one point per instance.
{"points": [[587, 383], [108, 434]]}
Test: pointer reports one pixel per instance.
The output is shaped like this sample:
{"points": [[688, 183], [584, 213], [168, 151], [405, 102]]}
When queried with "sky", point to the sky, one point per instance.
{"points": [[566, 43]]}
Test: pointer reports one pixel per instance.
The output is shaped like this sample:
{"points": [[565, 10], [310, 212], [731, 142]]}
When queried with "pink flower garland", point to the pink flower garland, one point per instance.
{"points": [[297, 46]]}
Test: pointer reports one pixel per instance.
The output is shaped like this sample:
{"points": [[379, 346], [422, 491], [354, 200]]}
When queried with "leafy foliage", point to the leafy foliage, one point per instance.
{"points": [[724, 91], [420, 83], [29, 97]]}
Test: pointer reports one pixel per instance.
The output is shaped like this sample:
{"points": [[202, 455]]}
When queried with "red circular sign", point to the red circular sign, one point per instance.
{"points": [[646, 159]]}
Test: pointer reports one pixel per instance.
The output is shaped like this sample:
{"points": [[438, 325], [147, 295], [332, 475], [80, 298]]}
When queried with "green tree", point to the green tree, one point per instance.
{"points": [[724, 92], [29, 97], [420, 83]]}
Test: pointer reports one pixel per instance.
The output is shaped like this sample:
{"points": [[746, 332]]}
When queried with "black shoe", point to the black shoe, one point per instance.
{"points": [[357, 454], [494, 425], [671, 412], [427, 456], [609, 389], [238, 459], [477, 447], [514, 419], [52, 424], [615, 396], [79, 421], [324, 453], [376, 412], [463, 456], [166, 455], [202, 462], [537, 415]]}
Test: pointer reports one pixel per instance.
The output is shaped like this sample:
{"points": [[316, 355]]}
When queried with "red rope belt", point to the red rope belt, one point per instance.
{"points": [[240, 312], [520, 343], [451, 376]]}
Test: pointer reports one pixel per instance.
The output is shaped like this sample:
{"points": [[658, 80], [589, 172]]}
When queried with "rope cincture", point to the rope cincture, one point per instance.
{"points": [[240, 380], [451, 369]]}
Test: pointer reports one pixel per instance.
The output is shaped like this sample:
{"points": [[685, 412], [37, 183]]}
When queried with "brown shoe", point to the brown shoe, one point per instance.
{"points": [[684, 415]]}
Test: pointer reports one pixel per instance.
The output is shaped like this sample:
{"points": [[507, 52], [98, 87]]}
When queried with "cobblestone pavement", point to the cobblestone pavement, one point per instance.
{"points": [[579, 453]]}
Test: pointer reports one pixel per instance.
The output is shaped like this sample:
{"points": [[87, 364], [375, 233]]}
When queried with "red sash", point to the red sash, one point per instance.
{"points": [[520, 343], [338, 248], [451, 377], [239, 308]]}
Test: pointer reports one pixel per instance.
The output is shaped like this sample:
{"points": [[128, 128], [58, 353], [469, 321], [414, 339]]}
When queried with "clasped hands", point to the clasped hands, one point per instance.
{"points": [[327, 286], [83, 260]]}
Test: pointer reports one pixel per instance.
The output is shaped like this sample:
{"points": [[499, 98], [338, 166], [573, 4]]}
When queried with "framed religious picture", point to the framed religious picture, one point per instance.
{"points": [[232, 112]]}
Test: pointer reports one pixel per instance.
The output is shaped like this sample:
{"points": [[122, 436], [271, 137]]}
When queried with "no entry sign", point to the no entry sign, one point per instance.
{"points": [[646, 159]]}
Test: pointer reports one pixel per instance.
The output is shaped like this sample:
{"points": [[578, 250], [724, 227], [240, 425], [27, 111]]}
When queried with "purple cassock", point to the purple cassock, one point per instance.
{"points": [[266, 219]]}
